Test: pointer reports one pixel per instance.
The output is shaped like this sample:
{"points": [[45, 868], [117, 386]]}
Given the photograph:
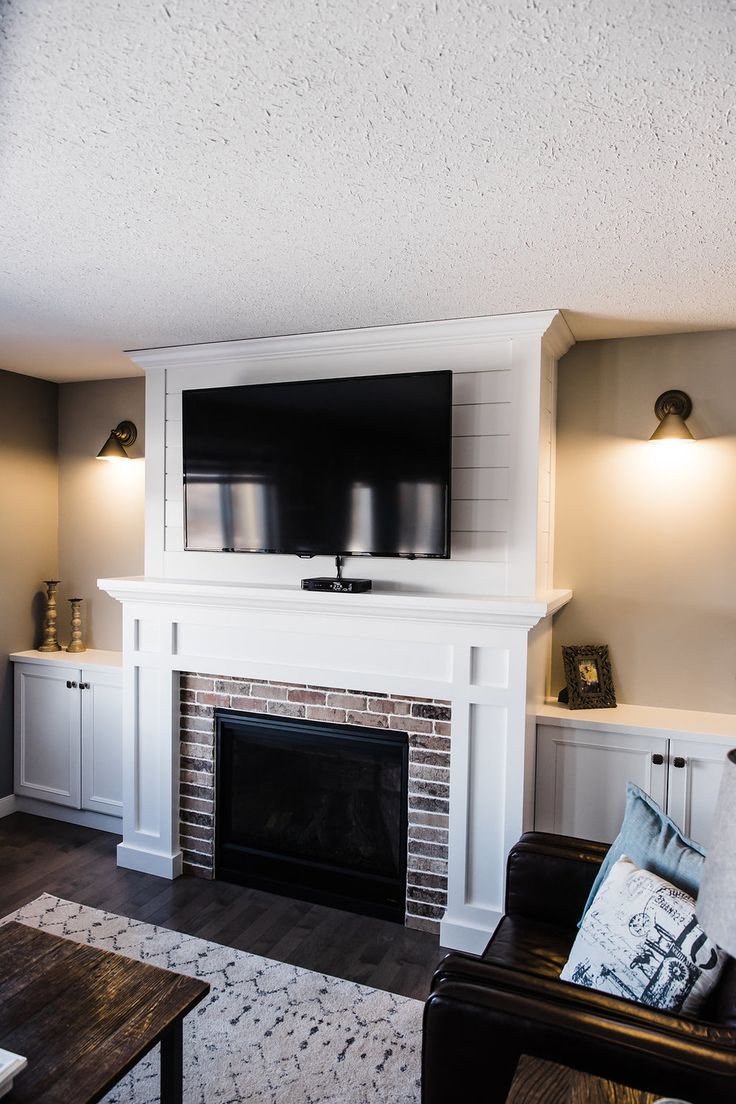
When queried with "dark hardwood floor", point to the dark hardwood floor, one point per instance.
{"points": [[47, 856]]}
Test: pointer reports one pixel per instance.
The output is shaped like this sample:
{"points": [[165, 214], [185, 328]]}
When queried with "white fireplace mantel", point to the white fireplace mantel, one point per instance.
{"points": [[482, 654], [377, 603], [474, 629]]}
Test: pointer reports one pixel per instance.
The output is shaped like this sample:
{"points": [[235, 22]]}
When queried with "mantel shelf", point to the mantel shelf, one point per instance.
{"points": [[524, 612]]}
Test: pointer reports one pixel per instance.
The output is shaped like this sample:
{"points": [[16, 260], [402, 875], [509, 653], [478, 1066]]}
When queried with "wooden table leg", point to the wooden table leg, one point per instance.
{"points": [[171, 1064]]}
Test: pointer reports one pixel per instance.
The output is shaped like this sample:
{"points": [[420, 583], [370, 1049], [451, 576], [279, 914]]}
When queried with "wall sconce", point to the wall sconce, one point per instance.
{"points": [[672, 408], [124, 434]]}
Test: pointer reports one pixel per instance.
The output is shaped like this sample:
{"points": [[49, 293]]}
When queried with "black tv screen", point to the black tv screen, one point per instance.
{"points": [[357, 467]]}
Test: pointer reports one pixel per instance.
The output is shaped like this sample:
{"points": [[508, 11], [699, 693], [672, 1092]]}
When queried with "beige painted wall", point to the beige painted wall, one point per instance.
{"points": [[29, 523], [645, 532], [101, 504]]}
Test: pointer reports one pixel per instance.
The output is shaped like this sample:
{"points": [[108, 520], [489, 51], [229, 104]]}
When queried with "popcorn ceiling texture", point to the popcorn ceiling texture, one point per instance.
{"points": [[427, 723], [187, 171]]}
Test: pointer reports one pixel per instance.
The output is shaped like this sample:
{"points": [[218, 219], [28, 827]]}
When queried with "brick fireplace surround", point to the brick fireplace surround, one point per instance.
{"points": [[426, 721]]}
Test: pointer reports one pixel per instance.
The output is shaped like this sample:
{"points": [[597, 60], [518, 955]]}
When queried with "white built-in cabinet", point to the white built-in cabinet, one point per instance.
{"points": [[68, 730], [586, 757]]}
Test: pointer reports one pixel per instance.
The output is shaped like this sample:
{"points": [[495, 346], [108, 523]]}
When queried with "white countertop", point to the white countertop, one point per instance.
{"points": [[93, 657], [641, 720]]}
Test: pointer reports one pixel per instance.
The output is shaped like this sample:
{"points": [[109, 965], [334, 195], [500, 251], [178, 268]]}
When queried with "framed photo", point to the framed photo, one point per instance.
{"points": [[588, 676]]}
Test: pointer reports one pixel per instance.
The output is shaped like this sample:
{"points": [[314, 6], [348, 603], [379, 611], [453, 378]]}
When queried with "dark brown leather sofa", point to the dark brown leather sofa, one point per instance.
{"points": [[484, 1013]]}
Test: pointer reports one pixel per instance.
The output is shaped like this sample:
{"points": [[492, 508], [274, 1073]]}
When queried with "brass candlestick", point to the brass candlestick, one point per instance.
{"points": [[76, 644], [50, 643]]}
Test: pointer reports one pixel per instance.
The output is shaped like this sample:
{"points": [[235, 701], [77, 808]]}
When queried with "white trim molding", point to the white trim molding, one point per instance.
{"points": [[549, 325], [7, 805]]}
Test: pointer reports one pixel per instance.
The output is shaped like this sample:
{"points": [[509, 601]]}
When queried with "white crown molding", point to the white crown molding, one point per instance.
{"points": [[549, 326], [376, 605], [558, 338]]}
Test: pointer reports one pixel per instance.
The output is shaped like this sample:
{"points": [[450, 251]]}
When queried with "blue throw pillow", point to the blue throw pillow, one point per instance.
{"points": [[654, 842]]}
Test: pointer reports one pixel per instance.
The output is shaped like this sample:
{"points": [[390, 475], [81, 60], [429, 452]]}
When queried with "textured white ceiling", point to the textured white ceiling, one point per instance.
{"points": [[197, 170]]}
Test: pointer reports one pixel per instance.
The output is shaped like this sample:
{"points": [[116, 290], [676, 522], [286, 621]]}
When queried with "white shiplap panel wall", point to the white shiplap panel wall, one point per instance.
{"points": [[481, 424], [486, 445], [481, 412]]}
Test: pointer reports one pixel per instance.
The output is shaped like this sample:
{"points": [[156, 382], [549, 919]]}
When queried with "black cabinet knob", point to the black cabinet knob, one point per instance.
{"points": [[658, 760], [678, 761], [71, 685]]}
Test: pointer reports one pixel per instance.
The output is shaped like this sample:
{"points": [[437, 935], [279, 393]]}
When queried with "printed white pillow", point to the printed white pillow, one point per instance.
{"points": [[640, 939]]}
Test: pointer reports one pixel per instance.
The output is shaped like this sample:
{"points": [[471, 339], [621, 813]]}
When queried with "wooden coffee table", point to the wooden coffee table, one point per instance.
{"points": [[83, 1017], [538, 1082]]}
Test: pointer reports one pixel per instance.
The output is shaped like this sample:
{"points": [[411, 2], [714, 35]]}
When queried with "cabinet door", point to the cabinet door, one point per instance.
{"points": [[102, 747], [47, 722], [695, 777], [582, 775]]}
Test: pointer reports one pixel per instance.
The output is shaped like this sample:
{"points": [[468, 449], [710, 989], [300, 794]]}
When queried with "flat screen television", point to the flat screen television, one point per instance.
{"points": [[356, 467]]}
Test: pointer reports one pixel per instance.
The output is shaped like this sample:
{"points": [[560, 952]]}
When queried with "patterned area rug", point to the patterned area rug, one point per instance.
{"points": [[267, 1031]]}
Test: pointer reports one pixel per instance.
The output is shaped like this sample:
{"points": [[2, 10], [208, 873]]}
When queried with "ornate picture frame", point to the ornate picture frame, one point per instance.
{"points": [[588, 676]]}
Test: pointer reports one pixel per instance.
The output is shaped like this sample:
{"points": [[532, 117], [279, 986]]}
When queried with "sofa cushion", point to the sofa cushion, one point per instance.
{"points": [[640, 939], [653, 841]]}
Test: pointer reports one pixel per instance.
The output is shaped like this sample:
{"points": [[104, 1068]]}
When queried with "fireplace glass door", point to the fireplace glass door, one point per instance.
{"points": [[315, 811]]}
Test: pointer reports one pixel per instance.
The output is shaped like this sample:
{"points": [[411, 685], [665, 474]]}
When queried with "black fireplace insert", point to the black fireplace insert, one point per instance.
{"points": [[314, 811]]}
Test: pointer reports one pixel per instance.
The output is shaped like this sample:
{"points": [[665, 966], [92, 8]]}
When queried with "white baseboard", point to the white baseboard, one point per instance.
{"points": [[150, 862], [70, 816], [7, 805], [471, 938]]}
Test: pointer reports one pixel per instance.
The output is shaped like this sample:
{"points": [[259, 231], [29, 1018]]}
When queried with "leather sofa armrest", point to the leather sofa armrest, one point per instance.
{"points": [[548, 877], [490, 1019]]}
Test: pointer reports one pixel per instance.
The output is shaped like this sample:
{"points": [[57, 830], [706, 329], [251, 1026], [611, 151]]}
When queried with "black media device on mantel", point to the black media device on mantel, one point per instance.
{"points": [[332, 467]]}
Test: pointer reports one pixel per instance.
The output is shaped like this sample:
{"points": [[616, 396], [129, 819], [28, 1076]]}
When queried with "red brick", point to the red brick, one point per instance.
{"points": [[221, 701], [195, 724], [346, 701], [425, 893], [421, 909], [273, 693], [232, 686], [409, 724], [196, 778], [249, 705], [196, 682], [430, 774], [286, 709], [382, 705], [199, 751], [190, 710], [443, 728], [429, 743], [430, 835], [370, 720], [325, 713], [422, 923], [197, 858], [308, 697], [437, 820]]}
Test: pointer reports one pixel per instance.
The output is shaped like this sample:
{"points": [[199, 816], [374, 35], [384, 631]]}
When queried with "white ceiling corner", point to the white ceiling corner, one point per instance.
{"points": [[189, 171]]}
